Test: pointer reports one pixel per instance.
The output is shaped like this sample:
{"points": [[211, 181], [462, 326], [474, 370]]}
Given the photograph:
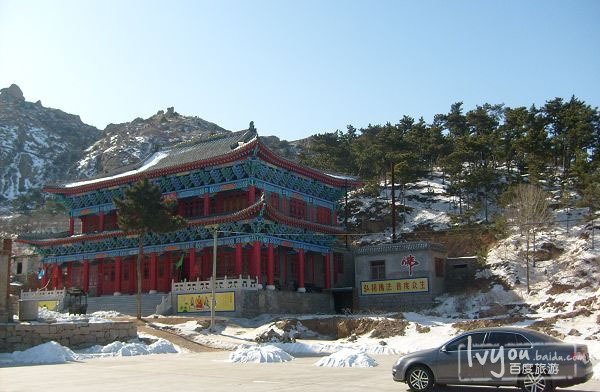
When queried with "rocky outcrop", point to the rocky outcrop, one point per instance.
{"points": [[37, 144], [128, 143]]}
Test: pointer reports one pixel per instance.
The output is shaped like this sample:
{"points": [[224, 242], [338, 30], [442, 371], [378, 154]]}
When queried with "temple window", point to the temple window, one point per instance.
{"points": [[297, 208]]}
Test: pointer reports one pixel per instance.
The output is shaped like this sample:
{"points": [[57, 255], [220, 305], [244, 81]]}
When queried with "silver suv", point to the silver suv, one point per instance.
{"points": [[521, 357]]}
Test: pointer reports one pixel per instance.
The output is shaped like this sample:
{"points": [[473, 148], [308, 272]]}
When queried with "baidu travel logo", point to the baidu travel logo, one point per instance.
{"points": [[512, 364]]}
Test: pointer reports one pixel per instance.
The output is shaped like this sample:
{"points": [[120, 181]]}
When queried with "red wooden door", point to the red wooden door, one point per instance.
{"points": [[94, 278], [146, 283], [108, 276]]}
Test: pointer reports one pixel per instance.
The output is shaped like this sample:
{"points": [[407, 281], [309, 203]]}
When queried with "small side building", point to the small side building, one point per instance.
{"points": [[399, 277]]}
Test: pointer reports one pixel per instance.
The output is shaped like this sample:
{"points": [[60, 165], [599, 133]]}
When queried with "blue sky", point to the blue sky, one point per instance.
{"points": [[297, 67]]}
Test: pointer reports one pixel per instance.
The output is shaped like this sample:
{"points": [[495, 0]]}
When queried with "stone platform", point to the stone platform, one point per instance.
{"points": [[21, 336]]}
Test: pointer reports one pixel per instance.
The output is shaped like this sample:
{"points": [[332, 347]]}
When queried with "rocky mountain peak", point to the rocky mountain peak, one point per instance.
{"points": [[130, 142], [13, 92], [38, 145]]}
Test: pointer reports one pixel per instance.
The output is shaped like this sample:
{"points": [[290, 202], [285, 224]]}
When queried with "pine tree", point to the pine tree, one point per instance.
{"points": [[143, 210]]}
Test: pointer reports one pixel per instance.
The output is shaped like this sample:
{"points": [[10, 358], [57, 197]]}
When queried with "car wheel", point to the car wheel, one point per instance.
{"points": [[536, 383], [420, 379]]}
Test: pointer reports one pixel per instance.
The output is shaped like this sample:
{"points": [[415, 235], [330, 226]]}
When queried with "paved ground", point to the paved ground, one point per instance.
{"points": [[208, 371]]}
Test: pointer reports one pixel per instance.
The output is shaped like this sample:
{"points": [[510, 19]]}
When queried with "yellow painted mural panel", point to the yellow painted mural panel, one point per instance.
{"points": [[225, 302], [50, 305]]}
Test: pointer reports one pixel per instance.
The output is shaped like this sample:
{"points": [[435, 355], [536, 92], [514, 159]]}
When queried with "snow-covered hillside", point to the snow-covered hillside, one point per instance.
{"points": [[37, 144], [424, 203]]}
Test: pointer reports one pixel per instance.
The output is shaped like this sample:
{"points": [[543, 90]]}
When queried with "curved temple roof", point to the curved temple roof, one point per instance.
{"points": [[194, 155]]}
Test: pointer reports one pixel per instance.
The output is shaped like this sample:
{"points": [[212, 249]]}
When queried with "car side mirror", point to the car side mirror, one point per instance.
{"points": [[443, 349]]}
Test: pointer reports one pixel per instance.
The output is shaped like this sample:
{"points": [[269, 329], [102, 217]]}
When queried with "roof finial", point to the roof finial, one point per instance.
{"points": [[251, 126]]}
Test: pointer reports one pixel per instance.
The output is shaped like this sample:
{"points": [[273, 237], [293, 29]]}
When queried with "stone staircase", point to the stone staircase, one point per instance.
{"points": [[125, 304]]}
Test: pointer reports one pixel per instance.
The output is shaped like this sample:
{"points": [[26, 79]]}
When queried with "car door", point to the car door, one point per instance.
{"points": [[455, 364], [503, 354]]}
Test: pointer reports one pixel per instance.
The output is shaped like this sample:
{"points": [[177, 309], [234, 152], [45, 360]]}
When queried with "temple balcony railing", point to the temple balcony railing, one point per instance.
{"points": [[225, 283]]}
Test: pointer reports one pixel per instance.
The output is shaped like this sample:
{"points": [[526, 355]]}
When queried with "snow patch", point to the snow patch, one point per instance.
{"points": [[50, 352], [259, 354], [153, 160], [347, 357]]}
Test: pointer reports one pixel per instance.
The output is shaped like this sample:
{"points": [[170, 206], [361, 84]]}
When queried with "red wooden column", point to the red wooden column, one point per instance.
{"points": [[301, 288], [270, 267], [206, 204], [312, 268], [335, 268], [193, 267], [239, 260], [118, 269], [55, 277], [71, 226], [101, 221], [133, 275], [251, 194], [85, 279], [328, 271], [255, 270], [69, 282], [153, 272]]}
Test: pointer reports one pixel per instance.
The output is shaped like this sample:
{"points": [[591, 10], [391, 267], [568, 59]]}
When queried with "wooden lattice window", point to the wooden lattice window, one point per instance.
{"points": [[378, 269], [297, 208], [323, 215]]}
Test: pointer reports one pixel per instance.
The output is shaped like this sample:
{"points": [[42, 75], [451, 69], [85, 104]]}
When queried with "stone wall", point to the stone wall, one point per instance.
{"points": [[251, 303], [74, 335], [254, 303]]}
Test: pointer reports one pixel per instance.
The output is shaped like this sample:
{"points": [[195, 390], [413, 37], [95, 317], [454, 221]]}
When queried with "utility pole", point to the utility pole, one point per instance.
{"points": [[393, 205], [213, 301]]}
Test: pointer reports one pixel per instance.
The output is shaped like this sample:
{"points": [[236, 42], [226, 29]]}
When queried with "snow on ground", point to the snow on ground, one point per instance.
{"points": [[96, 317], [127, 349], [53, 352], [50, 352], [259, 354], [347, 357]]}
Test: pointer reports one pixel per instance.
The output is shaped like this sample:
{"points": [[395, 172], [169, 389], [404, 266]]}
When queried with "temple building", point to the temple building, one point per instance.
{"points": [[277, 222]]}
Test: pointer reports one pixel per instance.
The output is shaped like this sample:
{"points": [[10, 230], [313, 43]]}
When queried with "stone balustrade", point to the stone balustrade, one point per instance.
{"points": [[44, 295], [199, 286]]}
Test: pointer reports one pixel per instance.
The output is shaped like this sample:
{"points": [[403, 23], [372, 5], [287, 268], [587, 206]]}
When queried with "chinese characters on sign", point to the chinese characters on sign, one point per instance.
{"points": [[399, 286]]}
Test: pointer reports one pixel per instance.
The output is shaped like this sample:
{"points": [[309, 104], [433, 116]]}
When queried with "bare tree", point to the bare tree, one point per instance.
{"points": [[528, 209]]}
